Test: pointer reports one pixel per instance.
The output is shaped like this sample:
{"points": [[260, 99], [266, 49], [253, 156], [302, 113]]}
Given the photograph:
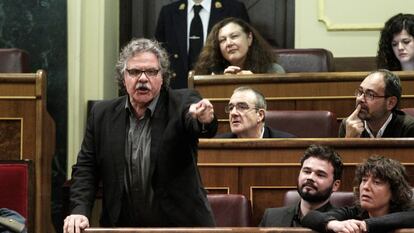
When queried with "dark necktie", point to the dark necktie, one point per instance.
{"points": [[196, 37]]}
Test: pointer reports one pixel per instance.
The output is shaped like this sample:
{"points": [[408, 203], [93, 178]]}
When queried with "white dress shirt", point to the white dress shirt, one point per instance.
{"points": [[204, 15]]}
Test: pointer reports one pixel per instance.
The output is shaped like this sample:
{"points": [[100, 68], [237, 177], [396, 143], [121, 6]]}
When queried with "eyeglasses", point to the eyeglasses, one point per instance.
{"points": [[136, 73], [368, 95], [240, 107]]}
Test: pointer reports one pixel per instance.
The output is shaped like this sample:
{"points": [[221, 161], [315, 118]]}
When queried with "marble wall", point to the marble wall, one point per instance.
{"points": [[40, 28]]}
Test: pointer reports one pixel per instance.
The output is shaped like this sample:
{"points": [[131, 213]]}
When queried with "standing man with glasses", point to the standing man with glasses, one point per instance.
{"points": [[377, 114], [247, 110], [142, 147]]}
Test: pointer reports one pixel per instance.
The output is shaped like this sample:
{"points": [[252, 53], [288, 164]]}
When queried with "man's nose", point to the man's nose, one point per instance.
{"points": [[310, 176], [360, 98], [233, 111], [143, 77]]}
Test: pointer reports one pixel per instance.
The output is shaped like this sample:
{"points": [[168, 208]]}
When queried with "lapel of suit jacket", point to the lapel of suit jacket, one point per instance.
{"points": [[267, 133], [286, 219], [118, 137], [217, 14], [180, 25], [158, 123]]}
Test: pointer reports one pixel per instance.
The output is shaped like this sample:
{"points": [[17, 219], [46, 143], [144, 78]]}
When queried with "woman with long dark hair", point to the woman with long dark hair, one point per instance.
{"points": [[396, 44], [235, 47]]}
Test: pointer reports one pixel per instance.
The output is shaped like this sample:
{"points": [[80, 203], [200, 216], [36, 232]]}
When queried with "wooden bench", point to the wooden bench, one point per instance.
{"points": [[264, 169], [331, 91]]}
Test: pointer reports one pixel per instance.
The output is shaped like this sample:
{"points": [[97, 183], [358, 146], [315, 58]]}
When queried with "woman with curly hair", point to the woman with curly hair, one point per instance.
{"points": [[235, 47], [383, 201], [396, 45]]}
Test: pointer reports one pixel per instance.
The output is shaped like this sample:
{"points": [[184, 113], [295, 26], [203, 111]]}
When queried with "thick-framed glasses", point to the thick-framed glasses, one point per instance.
{"points": [[368, 95], [240, 107], [136, 73]]}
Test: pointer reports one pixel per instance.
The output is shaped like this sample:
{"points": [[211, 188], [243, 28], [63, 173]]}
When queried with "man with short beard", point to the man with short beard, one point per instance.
{"points": [[376, 114], [319, 176]]}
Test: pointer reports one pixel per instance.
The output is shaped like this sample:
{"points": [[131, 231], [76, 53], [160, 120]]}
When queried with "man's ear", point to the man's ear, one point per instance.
{"points": [[261, 115], [336, 185], [391, 102]]}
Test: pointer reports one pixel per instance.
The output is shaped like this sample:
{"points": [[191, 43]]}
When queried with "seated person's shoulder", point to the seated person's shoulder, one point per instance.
{"points": [[272, 216], [274, 133], [276, 68], [407, 122], [407, 117], [278, 210]]}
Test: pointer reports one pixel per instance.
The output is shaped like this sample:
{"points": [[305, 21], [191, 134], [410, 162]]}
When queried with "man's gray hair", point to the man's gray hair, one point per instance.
{"points": [[142, 45], [260, 99]]}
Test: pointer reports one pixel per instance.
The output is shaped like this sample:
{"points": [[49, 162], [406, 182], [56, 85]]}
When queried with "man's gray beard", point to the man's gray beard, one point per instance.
{"points": [[318, 197]]}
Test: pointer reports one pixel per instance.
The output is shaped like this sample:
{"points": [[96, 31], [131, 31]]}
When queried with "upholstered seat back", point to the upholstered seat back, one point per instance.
{"points": [[305, 60], [230, 210], [338, 199], [17, 188], [304, 124], [14, 61]]}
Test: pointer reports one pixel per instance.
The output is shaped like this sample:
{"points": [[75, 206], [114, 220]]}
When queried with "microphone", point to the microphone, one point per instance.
{"points": [[12, 224]]}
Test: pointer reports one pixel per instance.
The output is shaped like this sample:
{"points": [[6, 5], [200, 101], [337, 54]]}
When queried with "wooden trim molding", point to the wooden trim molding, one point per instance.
{"points": [[332, 26]]}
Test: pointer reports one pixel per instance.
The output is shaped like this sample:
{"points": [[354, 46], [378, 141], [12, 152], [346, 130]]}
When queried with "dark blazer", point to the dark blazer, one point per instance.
{"points": [[268, 133], [172, 32], [284, 216], [387, 223], [173, 170], [401, 126], [278, 217]]}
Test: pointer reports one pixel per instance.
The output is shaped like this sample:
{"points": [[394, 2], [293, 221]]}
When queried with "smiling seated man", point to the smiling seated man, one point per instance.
{"points": [[247, 110], [377, 114]]}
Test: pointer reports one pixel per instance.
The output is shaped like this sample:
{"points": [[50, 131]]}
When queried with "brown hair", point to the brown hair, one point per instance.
{"points": [[392, 172], [259, 58]]}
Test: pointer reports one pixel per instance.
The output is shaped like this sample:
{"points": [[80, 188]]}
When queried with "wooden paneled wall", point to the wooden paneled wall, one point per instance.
{"points": [[264, 169], [348, 64], [28, 132], [332, 91]]}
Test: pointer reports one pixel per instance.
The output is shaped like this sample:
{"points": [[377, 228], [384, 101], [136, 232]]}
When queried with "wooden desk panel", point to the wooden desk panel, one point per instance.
{"points": [[263, 170], [332, 91], [320, 84], [28, 132]]}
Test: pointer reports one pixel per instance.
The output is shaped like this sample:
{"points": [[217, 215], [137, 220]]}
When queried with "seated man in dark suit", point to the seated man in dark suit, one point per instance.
{"points": [[377, 114], [247, 109], [319, 176]]}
